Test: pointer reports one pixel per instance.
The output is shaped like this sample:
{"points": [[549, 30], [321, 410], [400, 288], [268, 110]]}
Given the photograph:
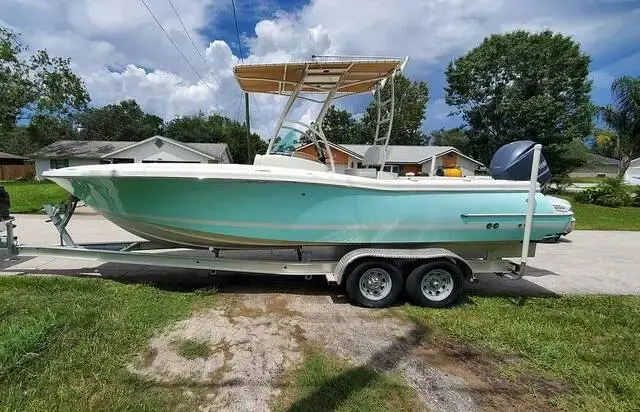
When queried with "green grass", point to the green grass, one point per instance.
{"points": [[592, 343], [64, 343], [590, 179], [324, 383], [594, 217], [28, 197], [193, 349]]}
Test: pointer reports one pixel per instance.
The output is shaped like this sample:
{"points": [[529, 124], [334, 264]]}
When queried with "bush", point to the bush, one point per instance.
{"points": [[558, 185], [636, 198], [610, 192]]}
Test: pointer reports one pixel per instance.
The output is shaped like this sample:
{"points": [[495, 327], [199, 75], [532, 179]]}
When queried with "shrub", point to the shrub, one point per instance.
{"points": [[636, 198], [610, 192], [558, 185]]}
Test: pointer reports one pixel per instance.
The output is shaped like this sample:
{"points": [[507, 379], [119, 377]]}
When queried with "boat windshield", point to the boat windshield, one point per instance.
{"points": [[287, 141]]}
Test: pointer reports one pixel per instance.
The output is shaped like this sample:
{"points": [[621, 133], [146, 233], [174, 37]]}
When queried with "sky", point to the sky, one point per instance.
{"points": [[121, 53]]}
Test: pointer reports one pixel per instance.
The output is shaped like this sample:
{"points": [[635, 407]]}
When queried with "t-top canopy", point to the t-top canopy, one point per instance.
{"points": [[343, 76]]}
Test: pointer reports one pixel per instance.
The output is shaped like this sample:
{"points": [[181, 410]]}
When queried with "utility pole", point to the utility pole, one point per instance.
{"points": [[246, 114]]}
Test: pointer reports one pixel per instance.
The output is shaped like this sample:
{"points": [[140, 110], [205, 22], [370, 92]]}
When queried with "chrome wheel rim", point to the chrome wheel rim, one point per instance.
{"points": [[437, 285], [375, 284]]}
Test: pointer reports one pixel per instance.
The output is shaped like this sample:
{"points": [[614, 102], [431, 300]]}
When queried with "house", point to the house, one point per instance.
{"points": [[597, 166], [401, 159], [14, 167], [156, 149]]}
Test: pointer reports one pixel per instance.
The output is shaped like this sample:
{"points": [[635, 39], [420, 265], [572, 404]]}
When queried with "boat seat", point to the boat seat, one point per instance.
{"points": [[372, 173], [375, 156], [289, 162]]}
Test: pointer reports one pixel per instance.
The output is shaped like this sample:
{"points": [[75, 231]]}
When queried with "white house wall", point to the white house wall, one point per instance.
{"points": [[468, 167], [168, 152], [42, 165]]}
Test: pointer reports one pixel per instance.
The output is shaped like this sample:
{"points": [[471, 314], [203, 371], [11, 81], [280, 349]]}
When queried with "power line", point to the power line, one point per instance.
{"points": [[193, 43], [246, 95], [235, 19], [177, 48]]}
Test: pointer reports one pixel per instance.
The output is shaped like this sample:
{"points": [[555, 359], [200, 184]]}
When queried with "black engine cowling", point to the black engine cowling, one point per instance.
{"points": [[513, 161]]}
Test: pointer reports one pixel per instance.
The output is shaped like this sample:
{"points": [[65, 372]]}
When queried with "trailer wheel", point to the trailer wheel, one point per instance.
{"points": [[374, 284], [437, 284]]}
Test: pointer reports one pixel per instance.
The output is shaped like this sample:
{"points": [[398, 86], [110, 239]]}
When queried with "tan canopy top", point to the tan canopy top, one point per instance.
{"points": [[345, 76]]}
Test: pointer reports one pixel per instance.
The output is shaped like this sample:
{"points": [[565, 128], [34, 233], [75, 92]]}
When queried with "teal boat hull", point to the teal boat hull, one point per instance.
{"points": [[210, 212]]}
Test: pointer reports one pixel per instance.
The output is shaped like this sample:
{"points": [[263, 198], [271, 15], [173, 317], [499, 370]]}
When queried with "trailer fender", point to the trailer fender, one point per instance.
{"points": [[408, 254]]}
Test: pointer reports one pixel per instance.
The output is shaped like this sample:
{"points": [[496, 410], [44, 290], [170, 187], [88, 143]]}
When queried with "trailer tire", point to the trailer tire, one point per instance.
{"points": [[436, 284], [374, 284]]}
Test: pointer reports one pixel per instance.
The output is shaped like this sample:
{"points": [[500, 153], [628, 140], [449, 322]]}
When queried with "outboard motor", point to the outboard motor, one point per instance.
{"points": [[513, 161]]}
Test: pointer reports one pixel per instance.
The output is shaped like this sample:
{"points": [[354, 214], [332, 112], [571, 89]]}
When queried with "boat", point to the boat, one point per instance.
{"points": [[632, 175], [286, 198]]}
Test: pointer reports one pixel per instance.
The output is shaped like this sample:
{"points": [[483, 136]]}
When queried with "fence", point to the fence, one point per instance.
{"points": [[13, 172]]}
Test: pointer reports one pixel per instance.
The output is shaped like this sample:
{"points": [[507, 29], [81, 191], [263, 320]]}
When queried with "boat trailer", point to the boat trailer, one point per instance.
{"points": [[373, 276], [337, 269]]}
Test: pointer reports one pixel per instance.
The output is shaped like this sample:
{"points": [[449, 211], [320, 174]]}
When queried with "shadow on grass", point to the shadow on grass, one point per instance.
{"points": [[337, 390]]}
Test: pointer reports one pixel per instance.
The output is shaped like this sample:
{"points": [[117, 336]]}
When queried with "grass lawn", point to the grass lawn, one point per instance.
{"points": [[28, 197], [326, 383], [594, 217], [586, 179], [64, 343], [592, 343]]}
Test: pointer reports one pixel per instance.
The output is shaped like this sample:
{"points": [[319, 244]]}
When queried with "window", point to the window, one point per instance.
{"points": [[392, 168], [118, 160], [58, 163]]}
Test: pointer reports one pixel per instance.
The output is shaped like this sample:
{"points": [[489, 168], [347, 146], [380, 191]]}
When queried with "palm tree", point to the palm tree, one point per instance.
{"points": [[623, 116]]}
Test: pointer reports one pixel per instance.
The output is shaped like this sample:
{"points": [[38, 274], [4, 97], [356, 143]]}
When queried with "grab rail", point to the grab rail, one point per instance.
{"points": [[528, 222]]}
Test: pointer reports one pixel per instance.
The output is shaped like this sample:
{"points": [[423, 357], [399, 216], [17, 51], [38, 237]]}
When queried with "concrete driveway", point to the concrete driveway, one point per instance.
{"points": [[586, 262]]}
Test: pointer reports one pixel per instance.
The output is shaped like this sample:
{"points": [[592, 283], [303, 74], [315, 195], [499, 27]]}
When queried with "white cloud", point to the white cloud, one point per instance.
{"points": [[97, 34]]}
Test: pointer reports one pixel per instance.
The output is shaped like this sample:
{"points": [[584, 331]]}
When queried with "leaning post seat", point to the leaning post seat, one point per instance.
{"points": [[289, 162]]}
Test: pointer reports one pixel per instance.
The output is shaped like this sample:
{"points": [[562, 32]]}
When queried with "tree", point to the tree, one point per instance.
{"points": [[410, 110], [121, 121], [604, 143], [216, 129], [41, 131], [35, 85], [456, 137], [340, 127], [623, 116], [197, 128], [523, 85]]}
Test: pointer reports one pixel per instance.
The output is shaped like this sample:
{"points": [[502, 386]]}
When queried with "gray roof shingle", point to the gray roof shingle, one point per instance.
{"points": [[96, 149], [596, 159], [404, 154], [4, 155], [212, 149], [83, 149]]}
